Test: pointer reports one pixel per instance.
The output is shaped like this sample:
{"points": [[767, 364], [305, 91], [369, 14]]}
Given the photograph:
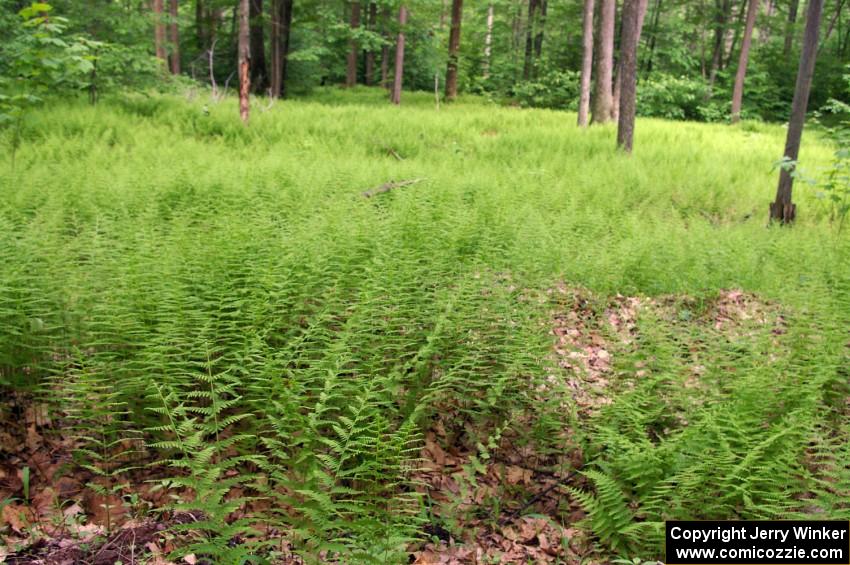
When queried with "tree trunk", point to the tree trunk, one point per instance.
{"points": [[642, 5], [399, 56], [541, 27], [656, 16], [277, 48], [454, 47], [488, 42], [370, 55], [529, 39], [351, 71], [385, 50], [783, 208], [603, 100], [586, 62], [736, 36], [721, 18], [789, 27], [835, 18], [244, 49], [628, 74], [174, 33], [159, 31], [200, 25], [259, 72], [743, 61]]}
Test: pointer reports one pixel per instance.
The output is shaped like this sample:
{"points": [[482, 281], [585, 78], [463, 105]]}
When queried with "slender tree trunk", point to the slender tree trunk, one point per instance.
{"points": [[603, 100], [743, 61], [286, 32], [789, 27], [783, 208], [722, 8], [736, 35], [656, 17], [628, 75], [399, 55], [454, 48], [244, 48], [529, 39], [277, 48], [541, 28], [174, 33], [488, 42], [385, 50], [370, 55], [836, 17], [200, 25], [159, 31], [586, 62], [259, 72], [351, 71]]}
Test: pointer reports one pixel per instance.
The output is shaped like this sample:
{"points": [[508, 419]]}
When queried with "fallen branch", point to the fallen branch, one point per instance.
{"points": [[386, 187]]}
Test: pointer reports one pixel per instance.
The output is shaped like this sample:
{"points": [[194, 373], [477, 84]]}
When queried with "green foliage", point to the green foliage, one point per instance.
{"points": [[554, 90], [667, 96]]}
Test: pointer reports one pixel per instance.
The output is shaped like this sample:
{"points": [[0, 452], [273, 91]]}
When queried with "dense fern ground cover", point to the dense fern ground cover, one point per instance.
{"points": [[224, 300]]}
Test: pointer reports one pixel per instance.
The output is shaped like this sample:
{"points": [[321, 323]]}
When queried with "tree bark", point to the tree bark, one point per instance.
{"points": [[454, 48], [399, 56], [656, 16], [789, 27], [835, 18], [488, 42], [743, 61], [586, 62], [628, 74], [736, 36], [529, 39], [281, 21], [783, 208], [385, 50], [541, 28], [351, 70], [244, 49], [259, 71], [370, 55], [159, 31], [722, 8], [174, 33], [642, 5], [603, 99]]}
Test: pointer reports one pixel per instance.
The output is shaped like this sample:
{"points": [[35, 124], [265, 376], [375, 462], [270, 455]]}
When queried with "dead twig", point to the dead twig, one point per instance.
{"points": [[388, 186]]}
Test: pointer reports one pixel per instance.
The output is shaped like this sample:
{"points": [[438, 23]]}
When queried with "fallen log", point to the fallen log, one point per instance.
{"points": [[388, 186]]}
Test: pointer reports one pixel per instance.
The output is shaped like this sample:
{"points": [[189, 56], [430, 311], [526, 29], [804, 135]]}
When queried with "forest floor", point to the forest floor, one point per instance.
{"points": [[214, 348]]}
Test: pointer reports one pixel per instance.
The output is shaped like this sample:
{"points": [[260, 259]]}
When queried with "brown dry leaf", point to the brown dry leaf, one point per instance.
{"points": [[17, 516], [190, 559], [34, 439]]}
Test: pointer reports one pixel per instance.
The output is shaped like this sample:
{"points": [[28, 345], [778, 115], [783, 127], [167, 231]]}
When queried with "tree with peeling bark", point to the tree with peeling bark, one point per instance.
{"points": [[174, 37], [783, 208], [244, 59], [399, 56], [586, 63], [603, 96], [353, 50], [454, 50], [743, 60], [630, 31]]}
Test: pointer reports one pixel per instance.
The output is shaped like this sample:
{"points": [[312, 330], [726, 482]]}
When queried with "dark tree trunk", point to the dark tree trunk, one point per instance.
{"points": [[656, 16], [743, 61], [174, 37], [259, 72], [603, 99], [454, 48], [244, 50], [628, 74], [351, 70], [541, 28], [201, 25], [529, 39], [370, 55], [721, 17], [281, 24], [399, 56], [586, 62], [385, 50], [789, 27], [159, 31], [783, 208], [642, 5]]}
